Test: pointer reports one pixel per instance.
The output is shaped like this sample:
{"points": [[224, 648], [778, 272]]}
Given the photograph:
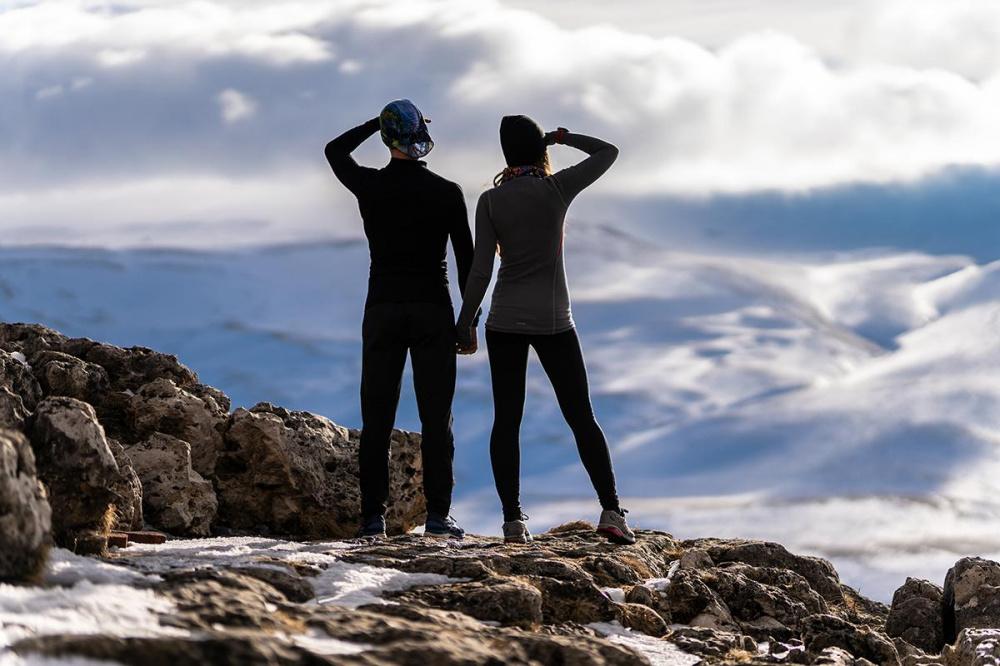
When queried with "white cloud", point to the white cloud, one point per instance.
{"points": [[49, 91], [961, 36], [120, 57], [765, 111], [234, 106], [270, 32], [351, 67]]}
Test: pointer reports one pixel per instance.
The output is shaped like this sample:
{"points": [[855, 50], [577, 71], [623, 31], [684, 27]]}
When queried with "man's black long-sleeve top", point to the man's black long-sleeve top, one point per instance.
{"points": [[409, 212]]}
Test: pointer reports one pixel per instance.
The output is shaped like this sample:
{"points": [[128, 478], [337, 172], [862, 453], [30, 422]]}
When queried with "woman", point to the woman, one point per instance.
{"points": [[522, 218]]}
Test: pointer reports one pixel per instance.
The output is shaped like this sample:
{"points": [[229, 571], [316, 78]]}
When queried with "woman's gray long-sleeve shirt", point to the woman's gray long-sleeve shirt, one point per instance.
{"points": [[525, 217]]}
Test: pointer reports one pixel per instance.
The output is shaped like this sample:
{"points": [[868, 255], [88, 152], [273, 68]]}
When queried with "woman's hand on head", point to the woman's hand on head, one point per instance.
{"points": [[555, 136]]}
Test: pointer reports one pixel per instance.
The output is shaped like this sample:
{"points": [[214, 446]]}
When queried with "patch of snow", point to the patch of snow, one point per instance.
{"points": [[663, 583], [352, 585], [230, 552], [19, 357], [657, 651], [317, 642], [113, 610], [66, 568], [614, 593]]}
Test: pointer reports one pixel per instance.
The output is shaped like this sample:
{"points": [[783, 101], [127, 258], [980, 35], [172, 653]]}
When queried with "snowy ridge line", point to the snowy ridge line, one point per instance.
{"points": [[713, 375]]}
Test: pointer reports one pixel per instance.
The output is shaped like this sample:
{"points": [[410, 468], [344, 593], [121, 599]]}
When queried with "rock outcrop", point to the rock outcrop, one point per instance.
{"points": [[568, 598], [16, 377], [78, 467], [129, 436], [971, 596], [194, 416], [13, 414], [25, 516], [69, 376], [119, 430], [176, 498], [296, 473], [973, 647], [917, 616], [127, 491]]}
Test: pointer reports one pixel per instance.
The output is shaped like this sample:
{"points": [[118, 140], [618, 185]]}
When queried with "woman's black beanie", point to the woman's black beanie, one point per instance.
{"points": [[522, 140]]}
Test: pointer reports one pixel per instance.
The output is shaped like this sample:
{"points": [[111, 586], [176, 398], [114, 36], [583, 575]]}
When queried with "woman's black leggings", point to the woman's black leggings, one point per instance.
{"points": [[562, 359]]}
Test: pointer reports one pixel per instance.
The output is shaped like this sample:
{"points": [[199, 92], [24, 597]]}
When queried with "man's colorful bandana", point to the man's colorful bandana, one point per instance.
{"points": [[404, 128]]}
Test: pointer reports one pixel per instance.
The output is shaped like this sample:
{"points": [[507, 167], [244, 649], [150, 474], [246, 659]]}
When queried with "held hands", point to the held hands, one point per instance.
{"points": [[555, 136], [468, 343]]}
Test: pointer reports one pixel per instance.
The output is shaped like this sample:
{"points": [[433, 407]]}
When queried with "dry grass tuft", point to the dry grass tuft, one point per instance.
{"points": [[739, 655], [572, 526]]}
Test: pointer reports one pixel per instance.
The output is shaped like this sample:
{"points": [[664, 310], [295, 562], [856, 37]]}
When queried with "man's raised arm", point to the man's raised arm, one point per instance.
{"points": [[338, 154]]}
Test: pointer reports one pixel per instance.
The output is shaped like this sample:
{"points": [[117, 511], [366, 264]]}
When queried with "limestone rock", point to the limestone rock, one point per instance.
{"points": [[25, 516], [296, 473], [15, 375], [710, 643], [916, 615], [77, 466], [29, 338], [834, 656], [696, 558], [66, 375], [974, 647], [573, 601], [688, 600], [820, 574], [176, 498], [199, 420], [761, 610], [132, 367], [506, 602], [642, 619], [971, 596], [828, 631], [287, 581], [640, 594], [13, 414], [127, 491]]}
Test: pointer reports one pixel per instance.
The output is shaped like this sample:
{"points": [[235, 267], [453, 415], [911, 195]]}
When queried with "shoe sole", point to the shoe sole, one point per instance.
{"points": [[518, 540], [615, 535], [442, 535]]}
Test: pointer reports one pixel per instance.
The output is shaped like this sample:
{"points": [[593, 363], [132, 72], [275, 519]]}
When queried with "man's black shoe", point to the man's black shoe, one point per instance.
{"points": [[443, 527], [372, 528]]}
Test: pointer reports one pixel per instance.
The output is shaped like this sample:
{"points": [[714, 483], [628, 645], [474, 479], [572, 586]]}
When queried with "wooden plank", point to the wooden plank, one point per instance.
{"points": [[146, 537]]}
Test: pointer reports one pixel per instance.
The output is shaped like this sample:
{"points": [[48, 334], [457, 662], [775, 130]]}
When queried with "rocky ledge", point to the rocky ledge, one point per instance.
{"points": [[95, 438]]}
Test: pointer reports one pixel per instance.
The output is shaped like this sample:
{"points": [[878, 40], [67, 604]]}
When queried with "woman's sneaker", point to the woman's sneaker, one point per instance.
{"points": [[613, 526], [516, 531], [443, 527], [372, 528]]}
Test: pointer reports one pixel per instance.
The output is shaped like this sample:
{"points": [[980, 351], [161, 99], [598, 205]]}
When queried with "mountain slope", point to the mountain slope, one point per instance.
{"points": [[839, 403]]}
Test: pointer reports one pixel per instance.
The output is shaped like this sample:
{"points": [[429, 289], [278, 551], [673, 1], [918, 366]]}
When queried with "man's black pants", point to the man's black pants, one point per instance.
{"points": [[427, 331]]}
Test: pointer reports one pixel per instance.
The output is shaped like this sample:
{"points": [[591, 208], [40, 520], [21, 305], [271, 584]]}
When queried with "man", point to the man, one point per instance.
{"points": [[409, 213]]}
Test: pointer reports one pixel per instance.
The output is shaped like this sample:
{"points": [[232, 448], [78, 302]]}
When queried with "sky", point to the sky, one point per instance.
{"points": [[202, 123]]}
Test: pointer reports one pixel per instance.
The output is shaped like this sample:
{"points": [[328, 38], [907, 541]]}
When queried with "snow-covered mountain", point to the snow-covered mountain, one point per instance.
{"points": [[845, 404]]}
